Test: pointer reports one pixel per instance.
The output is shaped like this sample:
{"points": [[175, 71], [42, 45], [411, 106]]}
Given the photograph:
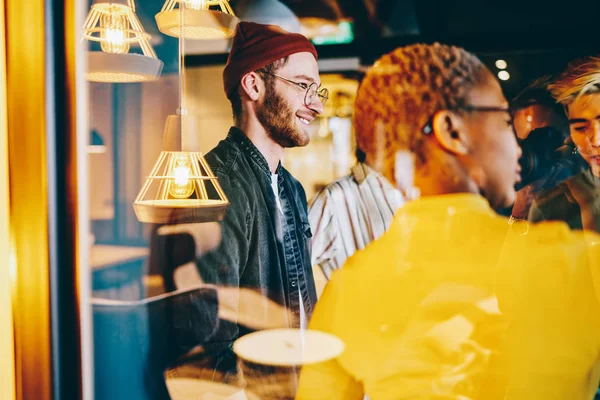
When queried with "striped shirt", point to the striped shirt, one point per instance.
{"points": [[350, 213]]}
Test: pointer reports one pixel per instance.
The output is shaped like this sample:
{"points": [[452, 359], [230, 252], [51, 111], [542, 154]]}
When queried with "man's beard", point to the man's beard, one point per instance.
{"points": [[279, 121]]}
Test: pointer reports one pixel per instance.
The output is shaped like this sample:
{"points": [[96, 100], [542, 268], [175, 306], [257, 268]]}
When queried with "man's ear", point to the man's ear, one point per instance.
{"points": [[450, 132], [252, 85]]}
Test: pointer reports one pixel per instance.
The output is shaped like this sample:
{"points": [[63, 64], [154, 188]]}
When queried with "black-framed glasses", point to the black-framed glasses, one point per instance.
{"points": [[312, 90], [428, 128]]}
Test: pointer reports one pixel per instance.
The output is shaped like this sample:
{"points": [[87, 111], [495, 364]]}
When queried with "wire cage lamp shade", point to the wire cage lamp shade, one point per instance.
{"points": [[203, 19], [116, 27], [181, 187]]}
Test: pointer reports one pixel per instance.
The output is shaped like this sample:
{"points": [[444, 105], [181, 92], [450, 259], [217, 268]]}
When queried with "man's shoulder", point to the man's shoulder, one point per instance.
{"points": [[339, 184], [335, 189], [223, 158], [229, 166]]}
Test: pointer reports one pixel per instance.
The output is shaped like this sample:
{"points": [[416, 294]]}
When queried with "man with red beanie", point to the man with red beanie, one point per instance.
{"points": [[272, 81]]}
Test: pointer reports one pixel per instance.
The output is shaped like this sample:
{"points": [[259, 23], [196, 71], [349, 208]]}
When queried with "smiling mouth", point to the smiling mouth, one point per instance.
{"points": [[304, 120]]}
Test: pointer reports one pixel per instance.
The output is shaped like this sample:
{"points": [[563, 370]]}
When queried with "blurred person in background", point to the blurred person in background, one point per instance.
{"points": [[353, 211], [534, 108], [542, 131], [450, 303], [577, 200]]}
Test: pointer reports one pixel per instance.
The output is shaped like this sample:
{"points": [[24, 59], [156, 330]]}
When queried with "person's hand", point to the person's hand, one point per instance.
{"points": [[585, 191], [523, 203]]}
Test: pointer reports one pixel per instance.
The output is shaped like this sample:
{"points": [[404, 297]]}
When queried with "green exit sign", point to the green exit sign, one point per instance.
{"points": [[344, 34]]}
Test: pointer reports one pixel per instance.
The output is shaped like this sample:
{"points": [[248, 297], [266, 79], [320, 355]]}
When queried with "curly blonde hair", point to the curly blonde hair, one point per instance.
{"points": [[581, 77], [401, 93]]}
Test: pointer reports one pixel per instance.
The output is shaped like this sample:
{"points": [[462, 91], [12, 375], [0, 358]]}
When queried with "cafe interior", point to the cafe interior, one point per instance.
{"points": [[91, 122]]}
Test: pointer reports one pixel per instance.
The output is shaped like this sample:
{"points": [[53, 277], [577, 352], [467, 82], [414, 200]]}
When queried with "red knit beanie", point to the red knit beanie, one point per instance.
{"points": [[256, 45]]}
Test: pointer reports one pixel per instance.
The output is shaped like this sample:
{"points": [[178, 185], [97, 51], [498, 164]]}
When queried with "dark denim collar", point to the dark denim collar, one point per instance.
{"points": [[237, 136]]}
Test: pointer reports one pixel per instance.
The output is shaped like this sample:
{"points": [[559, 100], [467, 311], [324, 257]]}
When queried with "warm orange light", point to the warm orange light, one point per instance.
{"points": [[114, 38], [7, 255], [199, 20], [181, 186], [196, 4], [114, 24]]}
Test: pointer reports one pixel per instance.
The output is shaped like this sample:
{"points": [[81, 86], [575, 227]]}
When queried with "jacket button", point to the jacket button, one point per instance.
{"points": [[286, 237], [293, 283]]}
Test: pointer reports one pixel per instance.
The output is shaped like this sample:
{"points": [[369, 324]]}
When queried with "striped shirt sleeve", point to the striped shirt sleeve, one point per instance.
{"points": [[321, 219], [348, 214]]}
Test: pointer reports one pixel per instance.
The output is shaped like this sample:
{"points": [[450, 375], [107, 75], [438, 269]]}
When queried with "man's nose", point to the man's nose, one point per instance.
{"points": [[317, 105], [595, 139]]}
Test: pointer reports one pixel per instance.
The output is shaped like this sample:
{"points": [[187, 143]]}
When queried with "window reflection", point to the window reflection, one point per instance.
{"points": [[430, 309]]}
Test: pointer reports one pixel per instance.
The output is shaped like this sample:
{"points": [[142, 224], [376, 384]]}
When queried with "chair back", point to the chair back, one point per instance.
{"points": [[135, 341]]}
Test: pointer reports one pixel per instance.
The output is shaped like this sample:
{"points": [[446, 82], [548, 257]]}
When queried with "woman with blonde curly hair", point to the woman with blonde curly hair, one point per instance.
{"points": [[452, 302]]}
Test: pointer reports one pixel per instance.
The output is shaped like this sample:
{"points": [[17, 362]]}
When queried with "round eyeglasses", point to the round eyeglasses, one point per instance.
{"points": [[312, 90]]}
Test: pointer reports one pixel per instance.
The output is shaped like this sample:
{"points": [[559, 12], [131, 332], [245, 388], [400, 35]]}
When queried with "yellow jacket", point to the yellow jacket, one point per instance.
{"points": [[453, 303]]}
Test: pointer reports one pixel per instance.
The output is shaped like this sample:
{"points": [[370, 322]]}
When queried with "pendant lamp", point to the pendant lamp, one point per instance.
{"points": [[201, 22], [115, 26], [181, 187]]}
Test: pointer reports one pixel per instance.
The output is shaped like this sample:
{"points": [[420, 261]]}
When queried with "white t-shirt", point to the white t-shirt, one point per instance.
{"points": [[275, 188]]}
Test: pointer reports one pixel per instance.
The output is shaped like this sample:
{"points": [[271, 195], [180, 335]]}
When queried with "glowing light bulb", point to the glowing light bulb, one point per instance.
{"points": [[501, 64], [196, 4], [181, 186], [114, 25], [503, 75]]}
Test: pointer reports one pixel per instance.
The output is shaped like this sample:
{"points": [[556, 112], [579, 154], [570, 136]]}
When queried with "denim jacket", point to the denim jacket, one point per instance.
{"points": [[260, 248]]}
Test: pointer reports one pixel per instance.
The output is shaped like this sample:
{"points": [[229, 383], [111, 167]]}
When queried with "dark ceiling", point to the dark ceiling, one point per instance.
{"points": [[513, 24], [489, 26], [532, 35]]}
